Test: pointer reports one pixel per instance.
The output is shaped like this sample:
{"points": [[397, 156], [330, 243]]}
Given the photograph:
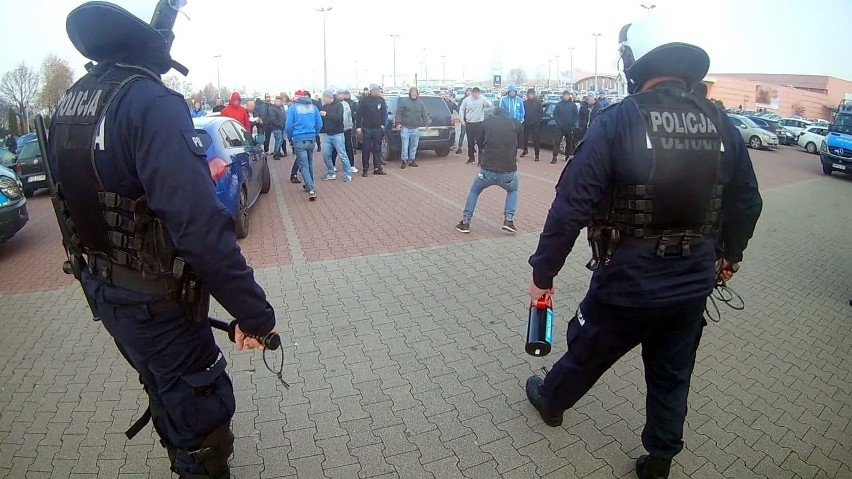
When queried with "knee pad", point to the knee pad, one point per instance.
{"points": [[212, 456]]}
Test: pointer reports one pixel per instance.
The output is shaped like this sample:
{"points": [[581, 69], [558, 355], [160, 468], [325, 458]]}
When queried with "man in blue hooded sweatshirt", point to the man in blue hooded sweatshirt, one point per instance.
{"points": [[514, 105], [303, 125]]}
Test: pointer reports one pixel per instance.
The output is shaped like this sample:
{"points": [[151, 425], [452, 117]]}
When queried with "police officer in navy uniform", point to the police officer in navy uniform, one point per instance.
{"points": [[660, 180], [137, 195]]}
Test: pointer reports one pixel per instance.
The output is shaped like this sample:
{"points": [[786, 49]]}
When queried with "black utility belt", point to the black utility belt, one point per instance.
{"points": [[122, 277]]}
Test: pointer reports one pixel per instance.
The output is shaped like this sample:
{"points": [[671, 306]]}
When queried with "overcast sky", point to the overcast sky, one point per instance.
{"points": [[275, 45]]}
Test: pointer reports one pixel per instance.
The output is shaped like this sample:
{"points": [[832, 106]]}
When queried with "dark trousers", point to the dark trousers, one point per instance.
{"points": [[475, 138], [267, 131], [350, 149], [372, 145], [600, 334], [568, 135], [532, 130], [179, 364]]}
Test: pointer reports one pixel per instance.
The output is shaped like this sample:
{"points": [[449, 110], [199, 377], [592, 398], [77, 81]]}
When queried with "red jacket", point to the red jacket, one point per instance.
{"points": [[236, 111]]}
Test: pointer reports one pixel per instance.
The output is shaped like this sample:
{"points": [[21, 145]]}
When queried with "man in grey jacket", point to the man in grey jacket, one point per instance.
{"points": [[410, 116], [276, 125], [472, 114]]}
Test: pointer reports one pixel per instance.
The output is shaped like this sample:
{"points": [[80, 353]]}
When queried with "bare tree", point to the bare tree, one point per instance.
{"points": [[20, 88], [57, 77], [178, 84], [208, 94], [517, 76]]}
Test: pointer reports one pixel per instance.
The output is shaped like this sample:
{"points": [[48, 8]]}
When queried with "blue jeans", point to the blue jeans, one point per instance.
{"points": [[337, 143], [304, 150], [485, 178], [279, 140], [462, 130], [410, 140]]}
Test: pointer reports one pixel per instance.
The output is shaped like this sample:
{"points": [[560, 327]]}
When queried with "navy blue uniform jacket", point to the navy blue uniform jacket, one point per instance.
{"points": [[636, 277], [151, 150]]}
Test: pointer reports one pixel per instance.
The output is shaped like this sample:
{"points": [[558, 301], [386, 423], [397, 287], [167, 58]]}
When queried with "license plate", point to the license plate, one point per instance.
{"points": [[35, 178], [838, 166], [430, 133]]}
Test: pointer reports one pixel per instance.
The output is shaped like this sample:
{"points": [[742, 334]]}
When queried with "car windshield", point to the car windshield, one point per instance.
{"points": [[29, 151], [843, 125]]}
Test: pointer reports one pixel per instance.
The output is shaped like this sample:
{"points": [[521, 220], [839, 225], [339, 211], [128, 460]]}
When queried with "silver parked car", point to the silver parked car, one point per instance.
{"points": [[754, 136]]}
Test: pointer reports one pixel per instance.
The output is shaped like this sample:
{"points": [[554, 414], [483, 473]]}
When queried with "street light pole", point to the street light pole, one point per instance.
{"points": [[558, 73], [324, 10], [549, 65], [394, 37], [444, 68], [218, 79], [425, 68], [648, 8], [356, 74], [596, 35], [571, 75]]}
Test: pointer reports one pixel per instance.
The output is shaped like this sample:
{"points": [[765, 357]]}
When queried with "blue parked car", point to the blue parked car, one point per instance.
{"points": [[237, 165], [13, 205]]}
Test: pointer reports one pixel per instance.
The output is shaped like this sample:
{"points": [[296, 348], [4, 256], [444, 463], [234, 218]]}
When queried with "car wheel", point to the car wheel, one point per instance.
{"points": [[387, 154], [29, 193], [811, 147], [755, 143], [266, 181], [827, 169], [442, 152], [242, 215]]}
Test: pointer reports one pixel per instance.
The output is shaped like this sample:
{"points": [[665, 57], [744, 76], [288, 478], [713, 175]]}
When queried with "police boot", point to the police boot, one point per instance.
{"points": [[549, 414], [214, 454], [649, 467]]}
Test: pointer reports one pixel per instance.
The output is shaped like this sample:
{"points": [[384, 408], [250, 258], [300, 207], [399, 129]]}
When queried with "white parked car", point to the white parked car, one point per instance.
{"points": [[794, 125], [811, 137]]}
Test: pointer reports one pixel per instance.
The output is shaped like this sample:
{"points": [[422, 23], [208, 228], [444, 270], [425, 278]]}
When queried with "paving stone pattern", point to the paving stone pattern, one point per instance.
{"points": [[405, 356]]}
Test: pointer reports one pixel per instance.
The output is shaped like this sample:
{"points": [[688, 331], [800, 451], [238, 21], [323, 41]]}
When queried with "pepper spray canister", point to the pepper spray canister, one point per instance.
{"points": [[540, 327]]}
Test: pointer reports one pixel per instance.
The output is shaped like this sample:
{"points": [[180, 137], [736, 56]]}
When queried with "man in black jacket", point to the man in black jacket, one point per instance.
{"points": [[262, 108], [565, 115], [589, 109], [533, 111], [370, 124], [498, 167]]}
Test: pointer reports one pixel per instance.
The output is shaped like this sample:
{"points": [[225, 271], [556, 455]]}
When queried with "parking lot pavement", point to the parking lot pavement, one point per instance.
{"points": [[404, 344]]}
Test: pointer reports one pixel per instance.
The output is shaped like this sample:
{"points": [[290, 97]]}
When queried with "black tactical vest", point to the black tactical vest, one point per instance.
{"points": [[124, 243], [679, 201]]}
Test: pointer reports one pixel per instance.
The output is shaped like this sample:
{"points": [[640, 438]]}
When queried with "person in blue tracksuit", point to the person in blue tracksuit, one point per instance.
{"points": [[136, 191], [513, 104], [660, 180], [303, 125]]}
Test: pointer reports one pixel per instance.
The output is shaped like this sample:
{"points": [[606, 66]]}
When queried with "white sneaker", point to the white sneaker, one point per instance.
{"points": [[354, 170], [329, 177]]}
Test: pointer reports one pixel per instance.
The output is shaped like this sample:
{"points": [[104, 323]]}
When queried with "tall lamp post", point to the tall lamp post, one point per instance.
{"points": [[425, 67], [558, 73], [444, 69], [218, 79], [596, 35], [549, 65], [356, 74], [571, 73], [324, 10], [648, 8], [394, 37]]}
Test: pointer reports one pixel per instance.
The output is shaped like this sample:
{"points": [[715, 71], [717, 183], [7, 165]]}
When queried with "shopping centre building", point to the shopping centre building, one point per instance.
{"points": [[809, 96]]}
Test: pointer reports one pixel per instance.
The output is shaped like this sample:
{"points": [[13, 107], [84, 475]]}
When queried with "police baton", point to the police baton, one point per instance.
{"points": [[271, 341]]}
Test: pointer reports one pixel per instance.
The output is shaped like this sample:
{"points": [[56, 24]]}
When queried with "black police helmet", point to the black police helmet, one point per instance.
{"points": [[105, 32]]}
